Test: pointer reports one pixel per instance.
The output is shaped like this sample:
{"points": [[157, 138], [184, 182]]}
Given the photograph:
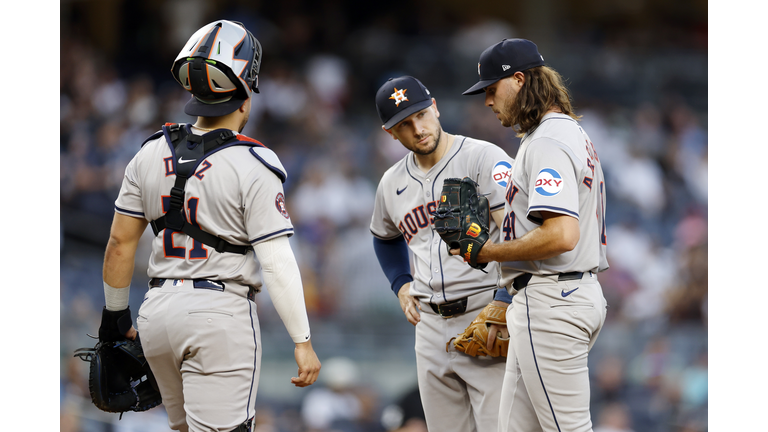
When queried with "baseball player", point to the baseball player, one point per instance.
{"points": [[215, 199], [553, 242], [442, 295]]}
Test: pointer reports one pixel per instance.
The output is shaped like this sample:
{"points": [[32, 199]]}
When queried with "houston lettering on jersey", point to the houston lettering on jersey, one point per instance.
{"points": [[417, 219]]}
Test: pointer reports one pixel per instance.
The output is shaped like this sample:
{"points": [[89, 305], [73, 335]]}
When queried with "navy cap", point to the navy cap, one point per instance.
{"points": [[400, 97], [504, 59]]}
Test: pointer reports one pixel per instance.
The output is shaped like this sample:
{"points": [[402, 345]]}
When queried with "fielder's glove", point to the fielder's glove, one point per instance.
{"points": [[119, 379], [462, 218], [475, 337]]}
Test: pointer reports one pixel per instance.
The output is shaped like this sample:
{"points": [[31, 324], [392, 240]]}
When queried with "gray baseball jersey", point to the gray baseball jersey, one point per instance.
{"points": [[251, 213], [405, 199], [557, 170], [554, 321], [197, 323]]}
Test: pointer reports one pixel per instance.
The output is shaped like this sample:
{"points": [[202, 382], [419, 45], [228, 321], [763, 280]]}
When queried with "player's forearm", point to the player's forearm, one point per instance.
{"points": [[118, 265], [283, 282], [555, 236], [121, 250]]}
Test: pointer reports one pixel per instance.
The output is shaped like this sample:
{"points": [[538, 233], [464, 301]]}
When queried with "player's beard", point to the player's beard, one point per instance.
{"points": [[506, 113], [431, 149]]}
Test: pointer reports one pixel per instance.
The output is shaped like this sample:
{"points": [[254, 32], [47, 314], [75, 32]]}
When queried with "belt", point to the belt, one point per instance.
{"points": [[201, 283], [521, 281], [450, 309], [197, 283]]}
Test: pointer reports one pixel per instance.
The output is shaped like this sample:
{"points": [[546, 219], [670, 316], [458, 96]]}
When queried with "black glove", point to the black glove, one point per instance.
{"points": [[462, 218], [120, 379]]}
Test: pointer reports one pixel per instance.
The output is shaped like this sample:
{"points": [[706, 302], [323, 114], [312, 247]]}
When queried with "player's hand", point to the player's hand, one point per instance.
{"points": [[409, 304], [482, 256], [493, 329], [131, 333], [309, 364]]}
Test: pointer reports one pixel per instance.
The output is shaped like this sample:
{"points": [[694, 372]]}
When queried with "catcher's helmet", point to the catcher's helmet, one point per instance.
{"points": [[219, 65]]}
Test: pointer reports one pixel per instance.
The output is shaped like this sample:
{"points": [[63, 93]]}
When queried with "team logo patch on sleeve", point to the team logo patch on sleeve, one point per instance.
{"points": [[549, 182], [501, 173], [280, 204]]}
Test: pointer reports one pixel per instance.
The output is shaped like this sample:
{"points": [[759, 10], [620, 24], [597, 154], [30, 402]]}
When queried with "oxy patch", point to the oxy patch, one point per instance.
{"points": [[501, 173], [549, 182]]}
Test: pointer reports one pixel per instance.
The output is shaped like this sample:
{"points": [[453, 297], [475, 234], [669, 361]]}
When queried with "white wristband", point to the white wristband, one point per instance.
{"points": [[116, 298]]}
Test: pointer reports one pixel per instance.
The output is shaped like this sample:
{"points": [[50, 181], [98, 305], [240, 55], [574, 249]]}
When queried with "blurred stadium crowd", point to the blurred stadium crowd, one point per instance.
{"points": [[642, 93]]}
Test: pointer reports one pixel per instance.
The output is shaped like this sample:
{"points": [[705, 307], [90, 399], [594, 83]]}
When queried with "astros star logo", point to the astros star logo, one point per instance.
{"points": [[399, 96]]}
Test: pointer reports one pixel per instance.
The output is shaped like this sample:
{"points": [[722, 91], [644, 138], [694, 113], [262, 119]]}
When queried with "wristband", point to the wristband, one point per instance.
{"points": [[116, 299]]}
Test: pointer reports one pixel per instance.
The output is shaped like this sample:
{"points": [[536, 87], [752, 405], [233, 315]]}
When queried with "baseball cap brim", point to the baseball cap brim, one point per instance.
{"points": [[397, 118], [480, 86], [196, 107]]}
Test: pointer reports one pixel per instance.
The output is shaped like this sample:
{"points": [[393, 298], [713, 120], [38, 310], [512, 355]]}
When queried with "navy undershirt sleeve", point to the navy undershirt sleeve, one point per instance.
{"points": [[393, 258], [503, 295]]}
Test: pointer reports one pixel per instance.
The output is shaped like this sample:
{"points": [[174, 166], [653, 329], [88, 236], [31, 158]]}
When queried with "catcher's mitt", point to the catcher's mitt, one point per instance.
{"points": [[475, 337], [462, 218], [120, 379]]}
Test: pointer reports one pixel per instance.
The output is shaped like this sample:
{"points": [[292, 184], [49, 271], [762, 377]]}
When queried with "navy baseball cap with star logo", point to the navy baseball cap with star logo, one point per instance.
{"points": [[503, 59], [400, 97]]}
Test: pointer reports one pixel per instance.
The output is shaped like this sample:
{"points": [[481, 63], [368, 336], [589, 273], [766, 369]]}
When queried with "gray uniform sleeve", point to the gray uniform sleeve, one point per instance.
{"points": [[553, 183], [129, 199], [264, 209], [493, 173], [382, 225]]}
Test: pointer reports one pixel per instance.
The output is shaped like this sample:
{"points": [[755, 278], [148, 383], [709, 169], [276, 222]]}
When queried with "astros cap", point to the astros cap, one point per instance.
{"points": [[400, 97], [504, 59]]}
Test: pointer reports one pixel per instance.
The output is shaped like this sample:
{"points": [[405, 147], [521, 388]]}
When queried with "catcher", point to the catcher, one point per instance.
{"points": [[439, 294]]}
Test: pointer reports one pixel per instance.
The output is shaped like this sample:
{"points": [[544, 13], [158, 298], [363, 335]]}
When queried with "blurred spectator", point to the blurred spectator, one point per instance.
{"points": [[339, 403], [614, 418], [406, 414], [322, 65]]}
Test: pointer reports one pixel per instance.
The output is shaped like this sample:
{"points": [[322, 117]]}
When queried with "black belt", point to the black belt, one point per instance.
{"points": [[197, 283], [203, 284], [450, 309], [521, 281]]}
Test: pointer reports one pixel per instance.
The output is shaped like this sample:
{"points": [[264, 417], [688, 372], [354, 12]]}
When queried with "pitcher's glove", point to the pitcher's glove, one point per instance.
{"points": [[462, 218], [120, 379], [475, 337]]}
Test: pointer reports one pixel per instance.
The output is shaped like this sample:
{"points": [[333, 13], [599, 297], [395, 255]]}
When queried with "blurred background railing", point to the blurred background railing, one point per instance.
{"points": [[638, 74]]}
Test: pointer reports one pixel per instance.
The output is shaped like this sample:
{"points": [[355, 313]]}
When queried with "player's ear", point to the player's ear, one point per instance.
{"points": [[389, 131], [519, 78], [243, 108], [434, 106]]}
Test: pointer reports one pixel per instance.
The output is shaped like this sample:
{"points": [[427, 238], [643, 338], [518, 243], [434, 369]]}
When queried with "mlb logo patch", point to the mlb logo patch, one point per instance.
{"points": [[178, 282], [549, 182], [501, 173]]}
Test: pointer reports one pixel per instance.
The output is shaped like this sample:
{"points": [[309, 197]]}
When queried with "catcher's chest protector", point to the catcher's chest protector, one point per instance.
{"points": [[188, 152]]}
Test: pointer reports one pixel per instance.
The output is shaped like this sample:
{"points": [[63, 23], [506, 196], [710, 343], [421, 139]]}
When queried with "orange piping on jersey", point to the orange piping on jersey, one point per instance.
{"points": [[249, 139]]}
